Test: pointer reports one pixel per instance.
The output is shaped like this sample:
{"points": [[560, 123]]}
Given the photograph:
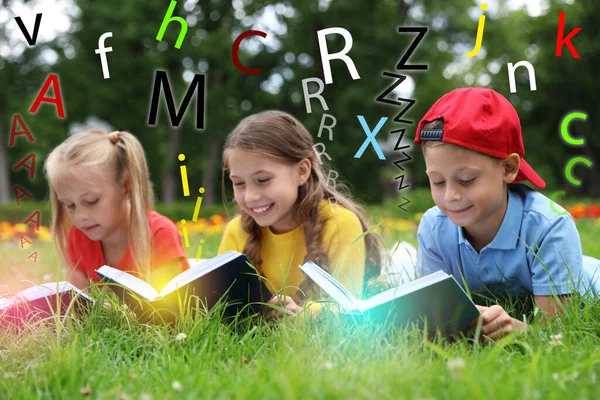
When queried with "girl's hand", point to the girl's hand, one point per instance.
{"points": [[496, 322], [286, 302]]}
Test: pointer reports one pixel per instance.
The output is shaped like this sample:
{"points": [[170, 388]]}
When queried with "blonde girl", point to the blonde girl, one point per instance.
{"points": [[102, 210], [289, 215]]}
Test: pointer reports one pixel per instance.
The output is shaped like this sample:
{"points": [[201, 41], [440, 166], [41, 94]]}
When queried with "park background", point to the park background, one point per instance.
{"points": [[69, 31]]}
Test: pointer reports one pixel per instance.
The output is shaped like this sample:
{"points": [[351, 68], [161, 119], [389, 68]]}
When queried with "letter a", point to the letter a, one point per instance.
{"points": [[23, 131], [24, 240], [23, 164], [34, 255], [57, 100], [32, 218], [20, 193]]}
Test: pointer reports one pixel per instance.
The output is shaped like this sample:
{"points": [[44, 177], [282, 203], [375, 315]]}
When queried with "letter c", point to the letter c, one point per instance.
{"points": [[564, 125], [569, 167], [553, 203], [236, 46]]}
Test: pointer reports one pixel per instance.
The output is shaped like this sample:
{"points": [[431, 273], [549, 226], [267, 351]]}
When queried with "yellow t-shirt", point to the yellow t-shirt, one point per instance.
{"points": [[281, 254]]}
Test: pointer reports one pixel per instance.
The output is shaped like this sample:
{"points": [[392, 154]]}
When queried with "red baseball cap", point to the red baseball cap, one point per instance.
{"points": [[481, 120]]}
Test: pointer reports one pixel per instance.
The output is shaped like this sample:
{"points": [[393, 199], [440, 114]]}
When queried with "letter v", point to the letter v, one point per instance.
{"points": [[36, 28]]}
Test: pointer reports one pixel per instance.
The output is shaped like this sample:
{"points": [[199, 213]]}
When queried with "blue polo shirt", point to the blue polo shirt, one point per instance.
{"points": [[529, 254]]}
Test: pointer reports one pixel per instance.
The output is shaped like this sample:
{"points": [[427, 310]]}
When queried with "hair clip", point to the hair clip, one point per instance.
{"points": [[114, 137], [431, 134]]}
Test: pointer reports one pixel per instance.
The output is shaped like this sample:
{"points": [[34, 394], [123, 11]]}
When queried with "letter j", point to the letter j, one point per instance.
{"points": [[479, 39]]}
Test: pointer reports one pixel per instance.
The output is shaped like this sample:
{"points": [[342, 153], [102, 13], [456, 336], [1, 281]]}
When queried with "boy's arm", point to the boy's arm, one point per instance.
{"points": [[556, 270], [557, 262], [549, 304], [428, 258]]}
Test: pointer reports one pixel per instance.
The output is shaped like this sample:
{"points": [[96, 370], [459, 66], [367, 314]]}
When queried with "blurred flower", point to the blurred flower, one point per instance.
{"points": [[176, 385], [580, 210], [214, 226], [20, 228], [44, 234], [456, 364], [556, 340], [181, 337]]}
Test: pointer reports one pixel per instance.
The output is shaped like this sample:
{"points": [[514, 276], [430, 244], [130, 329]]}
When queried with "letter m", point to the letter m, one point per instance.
{"points": [[161, 80]]}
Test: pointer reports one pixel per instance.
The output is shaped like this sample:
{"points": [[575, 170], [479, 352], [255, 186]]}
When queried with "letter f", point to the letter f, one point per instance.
{"points": [[102, 51]]}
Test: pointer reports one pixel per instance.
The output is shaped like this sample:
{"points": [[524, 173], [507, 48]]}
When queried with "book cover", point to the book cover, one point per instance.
{"points": [[228, 276], [42, 301], [436, 298]]}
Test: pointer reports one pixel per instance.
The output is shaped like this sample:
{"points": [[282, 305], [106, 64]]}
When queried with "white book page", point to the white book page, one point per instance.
{"points": [[4, 303], [402, 290], [137, 285], [46, 290], [197, 271], [330, 285], [64, 286]]}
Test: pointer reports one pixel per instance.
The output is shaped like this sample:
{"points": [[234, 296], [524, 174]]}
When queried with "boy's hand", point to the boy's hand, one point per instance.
{"points": [[286, 302], [496, 322]]}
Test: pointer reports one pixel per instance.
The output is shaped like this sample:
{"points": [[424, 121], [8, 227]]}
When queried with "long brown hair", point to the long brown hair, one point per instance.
{"points": [[282, 137], [117, 154]]}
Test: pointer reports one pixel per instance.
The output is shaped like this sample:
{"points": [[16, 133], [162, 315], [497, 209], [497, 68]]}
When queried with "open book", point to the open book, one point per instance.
{"points": [[437, 298], [228, 276], [42, 301]]}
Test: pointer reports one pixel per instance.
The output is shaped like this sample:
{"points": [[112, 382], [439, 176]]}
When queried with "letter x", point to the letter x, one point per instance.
{"points": [[370, 137]]}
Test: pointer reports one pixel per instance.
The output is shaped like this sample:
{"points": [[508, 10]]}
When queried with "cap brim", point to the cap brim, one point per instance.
{"points": [[526, 173]]}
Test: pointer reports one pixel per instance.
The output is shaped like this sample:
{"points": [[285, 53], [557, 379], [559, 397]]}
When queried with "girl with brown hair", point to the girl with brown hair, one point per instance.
{"points": [[286, 216]]}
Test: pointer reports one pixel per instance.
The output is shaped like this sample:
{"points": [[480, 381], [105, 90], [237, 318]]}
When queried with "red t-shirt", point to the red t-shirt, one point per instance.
{"points": [[86, 254]]}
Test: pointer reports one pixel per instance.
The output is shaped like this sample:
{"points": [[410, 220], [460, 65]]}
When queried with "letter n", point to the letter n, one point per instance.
{"points": [[511, 75], [161, 80], [14, 133], [23, 164], [56, 100]]}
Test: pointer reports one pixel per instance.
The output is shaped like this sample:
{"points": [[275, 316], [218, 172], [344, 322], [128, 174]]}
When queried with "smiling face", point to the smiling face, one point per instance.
{"points": [[96, 205], [470, 187], [267, 189]]}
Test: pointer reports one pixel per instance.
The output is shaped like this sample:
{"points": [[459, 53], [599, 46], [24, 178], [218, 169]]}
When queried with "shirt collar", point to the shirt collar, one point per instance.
{"points": [[506, 237]]}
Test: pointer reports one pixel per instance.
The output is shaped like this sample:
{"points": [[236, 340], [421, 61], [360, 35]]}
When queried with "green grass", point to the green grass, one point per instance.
{"points": [[111, 356]]}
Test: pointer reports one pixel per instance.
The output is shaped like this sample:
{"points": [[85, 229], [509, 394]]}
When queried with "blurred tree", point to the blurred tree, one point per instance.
{"points": [[564, 84], [287, 55], [23, 70]]}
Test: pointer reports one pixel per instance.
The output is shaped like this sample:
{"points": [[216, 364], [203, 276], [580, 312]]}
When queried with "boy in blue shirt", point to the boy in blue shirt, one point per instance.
{"points": [[485, 229]]}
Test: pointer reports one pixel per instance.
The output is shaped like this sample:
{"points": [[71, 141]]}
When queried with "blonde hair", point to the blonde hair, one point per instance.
{"points": [[121, 155], [282, 137]]}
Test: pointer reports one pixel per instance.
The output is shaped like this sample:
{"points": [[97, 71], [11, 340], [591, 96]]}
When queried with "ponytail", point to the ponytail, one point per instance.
{"points": [[133, 166], [122, 155]]}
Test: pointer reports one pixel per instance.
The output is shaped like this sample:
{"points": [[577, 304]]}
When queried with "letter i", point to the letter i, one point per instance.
{"points": [[184, 178], [198, 205], [199, 252], [185, 233], [480, 27]]}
